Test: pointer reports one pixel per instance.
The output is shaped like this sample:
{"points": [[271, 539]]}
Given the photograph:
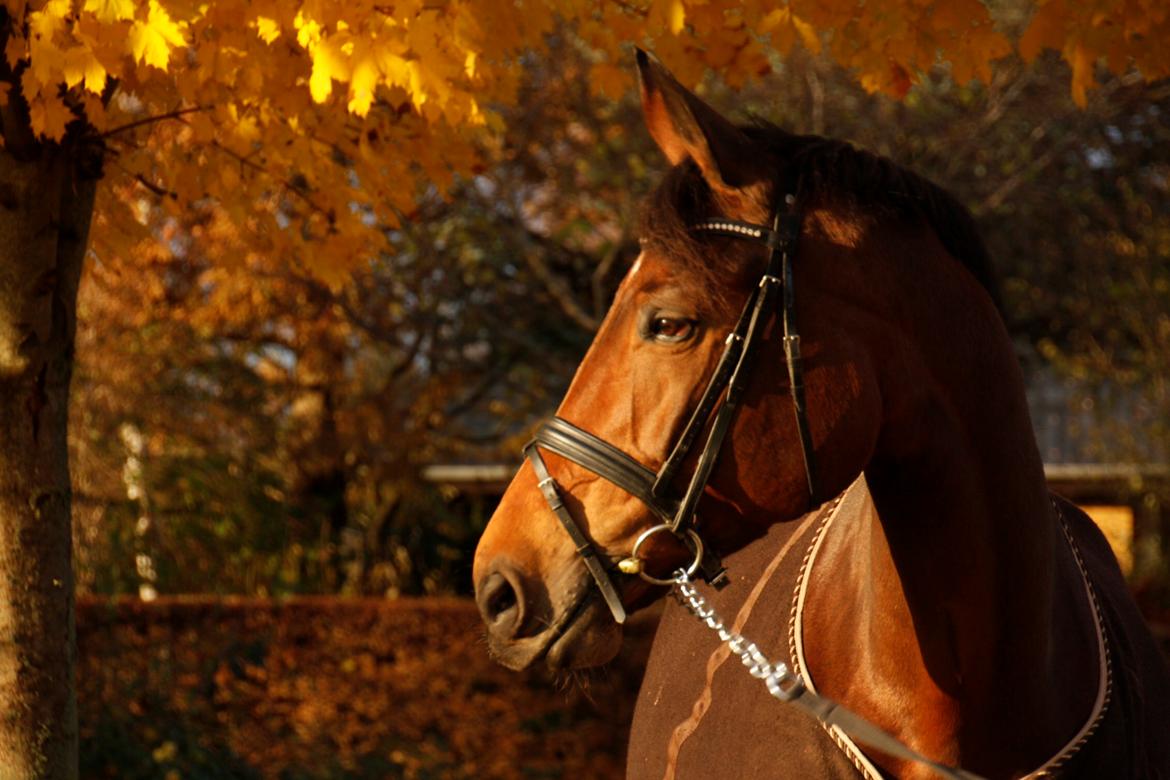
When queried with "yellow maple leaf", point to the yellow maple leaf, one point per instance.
{"points": [[783, 33], [49, 20], [668, 14], [203, 129], [395, 69], [110, 11], [95, 110], [151, 41], [308, 30], [773, 19], [329, 62], [362, 83], [229, 177], [48, 116], [267, 29], [80, 65]]}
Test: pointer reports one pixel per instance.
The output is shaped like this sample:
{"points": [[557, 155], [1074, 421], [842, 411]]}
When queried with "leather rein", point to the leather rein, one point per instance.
{"points": [[715, 412]]}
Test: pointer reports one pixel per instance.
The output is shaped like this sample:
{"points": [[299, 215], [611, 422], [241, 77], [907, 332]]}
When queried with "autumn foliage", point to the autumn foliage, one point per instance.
{"points": [[330, 118], [326, 688]]}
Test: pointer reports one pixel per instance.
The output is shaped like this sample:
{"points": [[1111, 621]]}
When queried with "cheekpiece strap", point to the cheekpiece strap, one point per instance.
{"points": [[594, 561], [781, 239]]}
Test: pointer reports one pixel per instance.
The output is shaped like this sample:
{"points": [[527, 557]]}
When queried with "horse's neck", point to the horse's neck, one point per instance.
{"points": [[940, 625], [963, 555], [965, 513]]}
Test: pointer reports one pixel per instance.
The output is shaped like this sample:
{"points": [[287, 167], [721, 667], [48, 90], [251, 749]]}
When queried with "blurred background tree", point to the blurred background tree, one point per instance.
{"points": [[242, 427]]}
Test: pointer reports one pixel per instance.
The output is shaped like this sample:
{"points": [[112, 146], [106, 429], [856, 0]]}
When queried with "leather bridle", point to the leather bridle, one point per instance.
{"points": [[720, 399]]}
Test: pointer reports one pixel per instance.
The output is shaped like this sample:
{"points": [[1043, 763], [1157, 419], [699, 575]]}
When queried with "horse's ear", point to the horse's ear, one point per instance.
{"points": [[685, 127]]}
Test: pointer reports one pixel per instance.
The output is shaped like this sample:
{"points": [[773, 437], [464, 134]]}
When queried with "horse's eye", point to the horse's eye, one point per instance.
{"points": [[670, 330]]}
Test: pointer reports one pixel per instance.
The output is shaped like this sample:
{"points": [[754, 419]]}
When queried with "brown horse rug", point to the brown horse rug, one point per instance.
{"points": [[699, 713]]}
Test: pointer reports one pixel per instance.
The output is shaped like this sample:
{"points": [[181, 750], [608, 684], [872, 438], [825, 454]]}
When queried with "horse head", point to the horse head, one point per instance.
{"points": [[691, 292]]}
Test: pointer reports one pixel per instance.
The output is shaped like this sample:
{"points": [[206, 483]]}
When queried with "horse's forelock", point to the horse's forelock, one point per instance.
{"points": [[713, 267]]}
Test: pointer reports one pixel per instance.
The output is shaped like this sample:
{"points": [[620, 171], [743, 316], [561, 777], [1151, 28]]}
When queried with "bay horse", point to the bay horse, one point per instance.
{"points": [[826, 323]]}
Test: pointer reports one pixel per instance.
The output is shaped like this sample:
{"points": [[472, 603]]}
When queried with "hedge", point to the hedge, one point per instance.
{"points": [[330, 688]]}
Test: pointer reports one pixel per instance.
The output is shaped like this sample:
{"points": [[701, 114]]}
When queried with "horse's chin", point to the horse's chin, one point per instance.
{"points": [[591, 639], [581, 636]]}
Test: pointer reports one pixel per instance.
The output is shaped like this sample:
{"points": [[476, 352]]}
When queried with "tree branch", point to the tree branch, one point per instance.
{"points": [[157, 189], [298, 191], [152, 119], [560, 292], [598, 278]]}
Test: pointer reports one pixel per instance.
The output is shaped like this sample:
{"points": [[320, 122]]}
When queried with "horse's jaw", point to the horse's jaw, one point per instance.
{"points": [[591, 639]]}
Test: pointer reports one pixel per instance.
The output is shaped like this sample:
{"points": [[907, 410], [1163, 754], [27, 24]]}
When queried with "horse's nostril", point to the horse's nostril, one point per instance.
{"points": [[499, 603]]}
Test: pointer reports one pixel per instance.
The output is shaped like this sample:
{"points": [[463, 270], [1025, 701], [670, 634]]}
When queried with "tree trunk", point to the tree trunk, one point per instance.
{"points": [[45, 211]]}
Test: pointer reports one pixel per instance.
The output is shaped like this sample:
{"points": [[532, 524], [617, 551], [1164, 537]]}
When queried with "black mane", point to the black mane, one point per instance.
{"points": [[826, 168]]}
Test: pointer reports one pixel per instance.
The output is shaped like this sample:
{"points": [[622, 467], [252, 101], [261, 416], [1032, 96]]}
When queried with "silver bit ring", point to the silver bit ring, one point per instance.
{"points": [[694, 567]]}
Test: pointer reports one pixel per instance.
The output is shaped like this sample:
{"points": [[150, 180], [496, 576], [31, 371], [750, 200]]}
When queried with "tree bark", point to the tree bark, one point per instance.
{"points": [[45, 211]]}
